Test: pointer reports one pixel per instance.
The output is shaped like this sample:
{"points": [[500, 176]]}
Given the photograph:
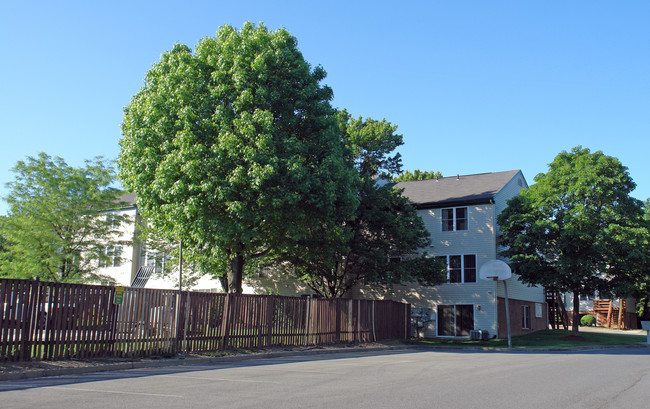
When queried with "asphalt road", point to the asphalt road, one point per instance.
{"points": [[608, 378]]}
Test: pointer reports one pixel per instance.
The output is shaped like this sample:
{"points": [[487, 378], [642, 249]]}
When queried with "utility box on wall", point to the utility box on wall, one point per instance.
{"points": [[422, 324]]}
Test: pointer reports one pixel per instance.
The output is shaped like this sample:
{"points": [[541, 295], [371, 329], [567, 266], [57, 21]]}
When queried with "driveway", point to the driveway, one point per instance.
{"points": [[395, 379]]}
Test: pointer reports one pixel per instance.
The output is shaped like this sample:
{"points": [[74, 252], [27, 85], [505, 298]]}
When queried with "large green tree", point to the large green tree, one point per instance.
{"points": [[56, 228], [573, 228], [380, 243], [232, 148]]}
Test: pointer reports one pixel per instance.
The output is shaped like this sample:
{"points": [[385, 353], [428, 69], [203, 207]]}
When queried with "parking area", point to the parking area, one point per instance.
{"points": [[393, 379]]}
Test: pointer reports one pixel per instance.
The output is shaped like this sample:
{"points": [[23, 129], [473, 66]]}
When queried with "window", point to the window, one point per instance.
{"points": [[113, 255], [461, 268], [455, 320], [538, 310], [525, 317], [112, 220], [159, 260], [454, 219]]}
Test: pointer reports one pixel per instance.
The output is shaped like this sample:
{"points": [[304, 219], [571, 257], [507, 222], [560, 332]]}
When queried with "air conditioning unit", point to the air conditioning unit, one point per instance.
{"points": [[474, 335], [485, 335]]}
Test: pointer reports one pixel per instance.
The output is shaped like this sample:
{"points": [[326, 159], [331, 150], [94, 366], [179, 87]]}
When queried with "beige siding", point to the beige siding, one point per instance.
{"points": [[510, 190], [520, 291], [478, 239], [480, 294]]}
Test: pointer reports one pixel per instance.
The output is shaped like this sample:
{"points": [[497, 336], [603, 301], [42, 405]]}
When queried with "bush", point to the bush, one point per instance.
{"points": [[587, 321]]}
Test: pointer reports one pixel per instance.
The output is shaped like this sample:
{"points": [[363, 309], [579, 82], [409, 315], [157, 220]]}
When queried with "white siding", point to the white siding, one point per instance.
{"points": [[131, 261], [122, 273]]}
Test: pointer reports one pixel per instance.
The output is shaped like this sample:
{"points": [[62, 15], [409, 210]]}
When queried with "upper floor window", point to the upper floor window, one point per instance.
{"points": [[454, 219], [461, 268], [159, 260], [112, 256]]}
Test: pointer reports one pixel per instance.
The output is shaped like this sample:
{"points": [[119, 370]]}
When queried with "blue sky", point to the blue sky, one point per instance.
{"points": [[474, 86]]}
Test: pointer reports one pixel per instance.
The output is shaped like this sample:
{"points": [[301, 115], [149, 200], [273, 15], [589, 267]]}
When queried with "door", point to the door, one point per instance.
{"points": [[455, 320]]}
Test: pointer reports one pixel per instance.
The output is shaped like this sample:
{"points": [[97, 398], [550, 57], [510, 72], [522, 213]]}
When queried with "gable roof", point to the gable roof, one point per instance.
{"points": [[126, 200], [456, 190]]}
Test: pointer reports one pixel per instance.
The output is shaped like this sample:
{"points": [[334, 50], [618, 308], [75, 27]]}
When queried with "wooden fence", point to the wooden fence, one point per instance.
{"points": [[52, 321]]}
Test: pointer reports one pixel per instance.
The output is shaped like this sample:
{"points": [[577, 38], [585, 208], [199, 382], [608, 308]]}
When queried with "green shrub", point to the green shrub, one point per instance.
{"points": [[587, 321]]}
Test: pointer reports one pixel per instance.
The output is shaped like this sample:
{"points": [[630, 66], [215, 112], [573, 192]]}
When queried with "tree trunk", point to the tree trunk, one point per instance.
{"points": [[223, 279], [576, 312], [237, 270]]}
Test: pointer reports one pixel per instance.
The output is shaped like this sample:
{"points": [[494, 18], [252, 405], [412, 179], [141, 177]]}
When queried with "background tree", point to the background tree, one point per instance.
{"points": [[571, 229], [233, 149], [56, 228], [381, 242], [417, 174]]}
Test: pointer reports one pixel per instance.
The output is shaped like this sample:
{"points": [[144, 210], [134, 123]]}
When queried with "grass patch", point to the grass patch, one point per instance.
{"points": [[539, 339]]}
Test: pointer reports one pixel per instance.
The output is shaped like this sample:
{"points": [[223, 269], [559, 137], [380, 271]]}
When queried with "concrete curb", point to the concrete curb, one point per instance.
{"points": [[524, 350], [189, 361]]}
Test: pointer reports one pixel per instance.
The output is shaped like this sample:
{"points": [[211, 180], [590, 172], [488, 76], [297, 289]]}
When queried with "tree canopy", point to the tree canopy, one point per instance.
{"points": [[417, 174], [55, 229], [573, 229], [233, 148], [381, 242]]}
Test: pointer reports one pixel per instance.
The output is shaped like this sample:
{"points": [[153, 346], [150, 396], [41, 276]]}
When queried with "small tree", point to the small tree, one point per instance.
{"points": [[417, 174], [571, 229], [56, 228]]}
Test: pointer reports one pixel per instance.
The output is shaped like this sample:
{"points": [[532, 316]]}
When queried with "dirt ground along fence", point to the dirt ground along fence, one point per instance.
{"points": [[52, 321]]}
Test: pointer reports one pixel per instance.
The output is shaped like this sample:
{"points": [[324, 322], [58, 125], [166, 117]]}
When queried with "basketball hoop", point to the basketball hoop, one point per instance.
{"points": [[497, 270]]}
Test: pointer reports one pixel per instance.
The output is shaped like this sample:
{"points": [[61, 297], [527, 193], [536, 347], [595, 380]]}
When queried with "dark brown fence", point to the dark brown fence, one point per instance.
{"points": [[52, 321]]}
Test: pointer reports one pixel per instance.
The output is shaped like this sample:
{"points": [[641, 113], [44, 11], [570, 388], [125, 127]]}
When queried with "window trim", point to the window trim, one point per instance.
{"points": [[455, 219]]}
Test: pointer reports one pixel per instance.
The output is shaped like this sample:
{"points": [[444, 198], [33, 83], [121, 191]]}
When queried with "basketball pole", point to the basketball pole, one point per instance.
{"points": [[505, 288]]}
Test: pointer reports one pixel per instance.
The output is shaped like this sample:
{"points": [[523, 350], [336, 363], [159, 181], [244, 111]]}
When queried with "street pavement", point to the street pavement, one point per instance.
{"points": [[413, 378]]}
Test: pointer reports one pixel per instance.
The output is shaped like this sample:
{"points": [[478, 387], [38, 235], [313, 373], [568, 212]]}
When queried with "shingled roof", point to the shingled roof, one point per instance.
{"points": [[456, 190]]}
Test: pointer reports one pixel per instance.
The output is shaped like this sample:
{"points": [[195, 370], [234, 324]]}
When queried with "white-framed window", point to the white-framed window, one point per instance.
{"points": [[112, 220], [461, 268], [159, 260], [113, 255], [454, 219], [538, 310], [525, 316]]}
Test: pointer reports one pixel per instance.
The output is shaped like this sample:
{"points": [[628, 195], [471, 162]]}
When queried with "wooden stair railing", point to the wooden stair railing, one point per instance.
{"points": [[557, 314]]}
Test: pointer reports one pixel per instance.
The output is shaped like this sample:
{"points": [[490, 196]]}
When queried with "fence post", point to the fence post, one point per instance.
{"points": [[29, 316], [185, 323], [269, 319], [359, 321], [225, 319], [374, 335], [308, 306], [113, 317]]}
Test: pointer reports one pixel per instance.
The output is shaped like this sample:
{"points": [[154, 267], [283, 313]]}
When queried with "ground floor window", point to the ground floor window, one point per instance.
{"points": [[525, 317], [455, 320]]}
